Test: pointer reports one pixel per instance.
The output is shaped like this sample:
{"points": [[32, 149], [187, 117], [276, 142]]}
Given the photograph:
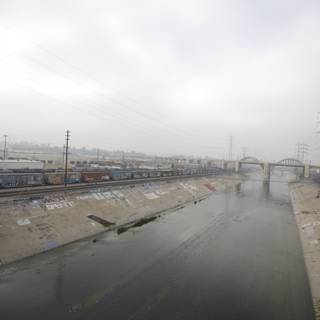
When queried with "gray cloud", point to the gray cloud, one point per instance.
{"points": [[162, 77]]}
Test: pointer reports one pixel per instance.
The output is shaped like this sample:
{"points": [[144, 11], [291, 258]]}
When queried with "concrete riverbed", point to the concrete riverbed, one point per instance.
{"points": [[234, 255]]}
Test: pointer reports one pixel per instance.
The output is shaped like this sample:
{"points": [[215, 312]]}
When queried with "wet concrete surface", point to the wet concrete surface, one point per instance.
{"points": [[235, 255]]}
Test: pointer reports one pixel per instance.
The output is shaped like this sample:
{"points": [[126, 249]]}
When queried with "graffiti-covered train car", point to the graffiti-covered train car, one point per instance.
{"points": [[167, 173], [94, 176], [120, 175], [58, 177], [16, 180], [140, 174], [154, 174]]}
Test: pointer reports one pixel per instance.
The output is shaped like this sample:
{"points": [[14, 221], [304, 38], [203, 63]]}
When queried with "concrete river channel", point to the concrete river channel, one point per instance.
{"points": [[234, 255]]}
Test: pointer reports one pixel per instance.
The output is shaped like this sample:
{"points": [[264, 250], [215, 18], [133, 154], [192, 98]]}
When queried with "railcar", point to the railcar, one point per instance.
{"points": [[55, 178], [94, 176], [166, 173], [140, 174], [16, 180], [120, 175], [154, 174]]}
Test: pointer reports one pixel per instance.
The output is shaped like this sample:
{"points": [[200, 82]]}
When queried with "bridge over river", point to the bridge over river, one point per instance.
{"points": [[267, 167]]}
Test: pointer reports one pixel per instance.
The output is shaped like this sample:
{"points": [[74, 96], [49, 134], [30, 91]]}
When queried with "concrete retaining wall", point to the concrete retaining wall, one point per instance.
{"points": [[32, 225], [306, 205]]}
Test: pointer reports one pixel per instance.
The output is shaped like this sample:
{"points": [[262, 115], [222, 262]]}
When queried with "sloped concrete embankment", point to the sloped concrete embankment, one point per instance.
{"points": [[306, 205], [32, 225]]}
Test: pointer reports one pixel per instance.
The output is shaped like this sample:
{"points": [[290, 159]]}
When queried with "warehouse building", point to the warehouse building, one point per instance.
{"points": [[21, 165]]}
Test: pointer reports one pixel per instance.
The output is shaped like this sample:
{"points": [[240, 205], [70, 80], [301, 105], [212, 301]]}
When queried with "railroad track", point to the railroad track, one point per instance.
{"points": [[27, 191]]}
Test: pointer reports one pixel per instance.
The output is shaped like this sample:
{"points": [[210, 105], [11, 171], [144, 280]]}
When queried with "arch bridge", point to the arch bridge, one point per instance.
{"points": [[267, 166], [290, 162]]}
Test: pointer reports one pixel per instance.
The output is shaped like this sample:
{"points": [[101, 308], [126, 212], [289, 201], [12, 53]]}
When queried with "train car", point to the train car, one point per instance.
{"points": [[180, 172], [94, 176], [17, 180], [120, 175], [140, 174], [55, 178], [174, 172], [187, 171], [154, 174], [167, 173]]}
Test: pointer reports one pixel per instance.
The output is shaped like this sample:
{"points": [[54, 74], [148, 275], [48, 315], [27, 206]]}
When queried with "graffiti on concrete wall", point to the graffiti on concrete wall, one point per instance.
{"points": [[102, 195], [59, 205], [118, 194], [57, 202], [23, 222], [210, 187], [151, 185], [189, 187], [107, 195], [151, 196]]}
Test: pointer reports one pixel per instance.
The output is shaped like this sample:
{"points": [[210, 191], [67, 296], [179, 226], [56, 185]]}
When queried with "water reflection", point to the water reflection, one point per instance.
{"points": [[266, 189]]}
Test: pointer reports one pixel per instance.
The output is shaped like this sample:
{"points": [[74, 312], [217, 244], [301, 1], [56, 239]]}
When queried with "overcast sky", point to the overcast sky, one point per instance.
{"points": [[163, 77]]}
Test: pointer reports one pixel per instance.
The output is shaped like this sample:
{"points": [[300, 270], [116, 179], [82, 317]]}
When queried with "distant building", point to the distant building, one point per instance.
{"points": [[21, 165]]}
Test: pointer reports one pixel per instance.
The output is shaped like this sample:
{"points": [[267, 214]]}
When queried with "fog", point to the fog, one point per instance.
{"points": [[162, 77]]}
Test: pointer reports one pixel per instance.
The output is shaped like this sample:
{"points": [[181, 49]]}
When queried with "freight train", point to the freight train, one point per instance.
{"points": [[16, 179]]}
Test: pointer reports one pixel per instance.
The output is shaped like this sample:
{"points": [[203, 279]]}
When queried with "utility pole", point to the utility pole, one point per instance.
{"points": [[5, 147], [66, 157], [230, 147], [63, 152]]}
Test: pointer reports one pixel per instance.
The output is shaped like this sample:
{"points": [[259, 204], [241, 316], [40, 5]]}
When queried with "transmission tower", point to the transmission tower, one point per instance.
{"points": [[66, 158], [230, 147], [318, 124], [301, 150]]}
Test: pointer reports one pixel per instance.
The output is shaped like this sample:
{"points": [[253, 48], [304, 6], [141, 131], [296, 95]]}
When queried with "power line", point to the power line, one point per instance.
{"points": [[146, 132], [59, 58], [157, 121]]}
